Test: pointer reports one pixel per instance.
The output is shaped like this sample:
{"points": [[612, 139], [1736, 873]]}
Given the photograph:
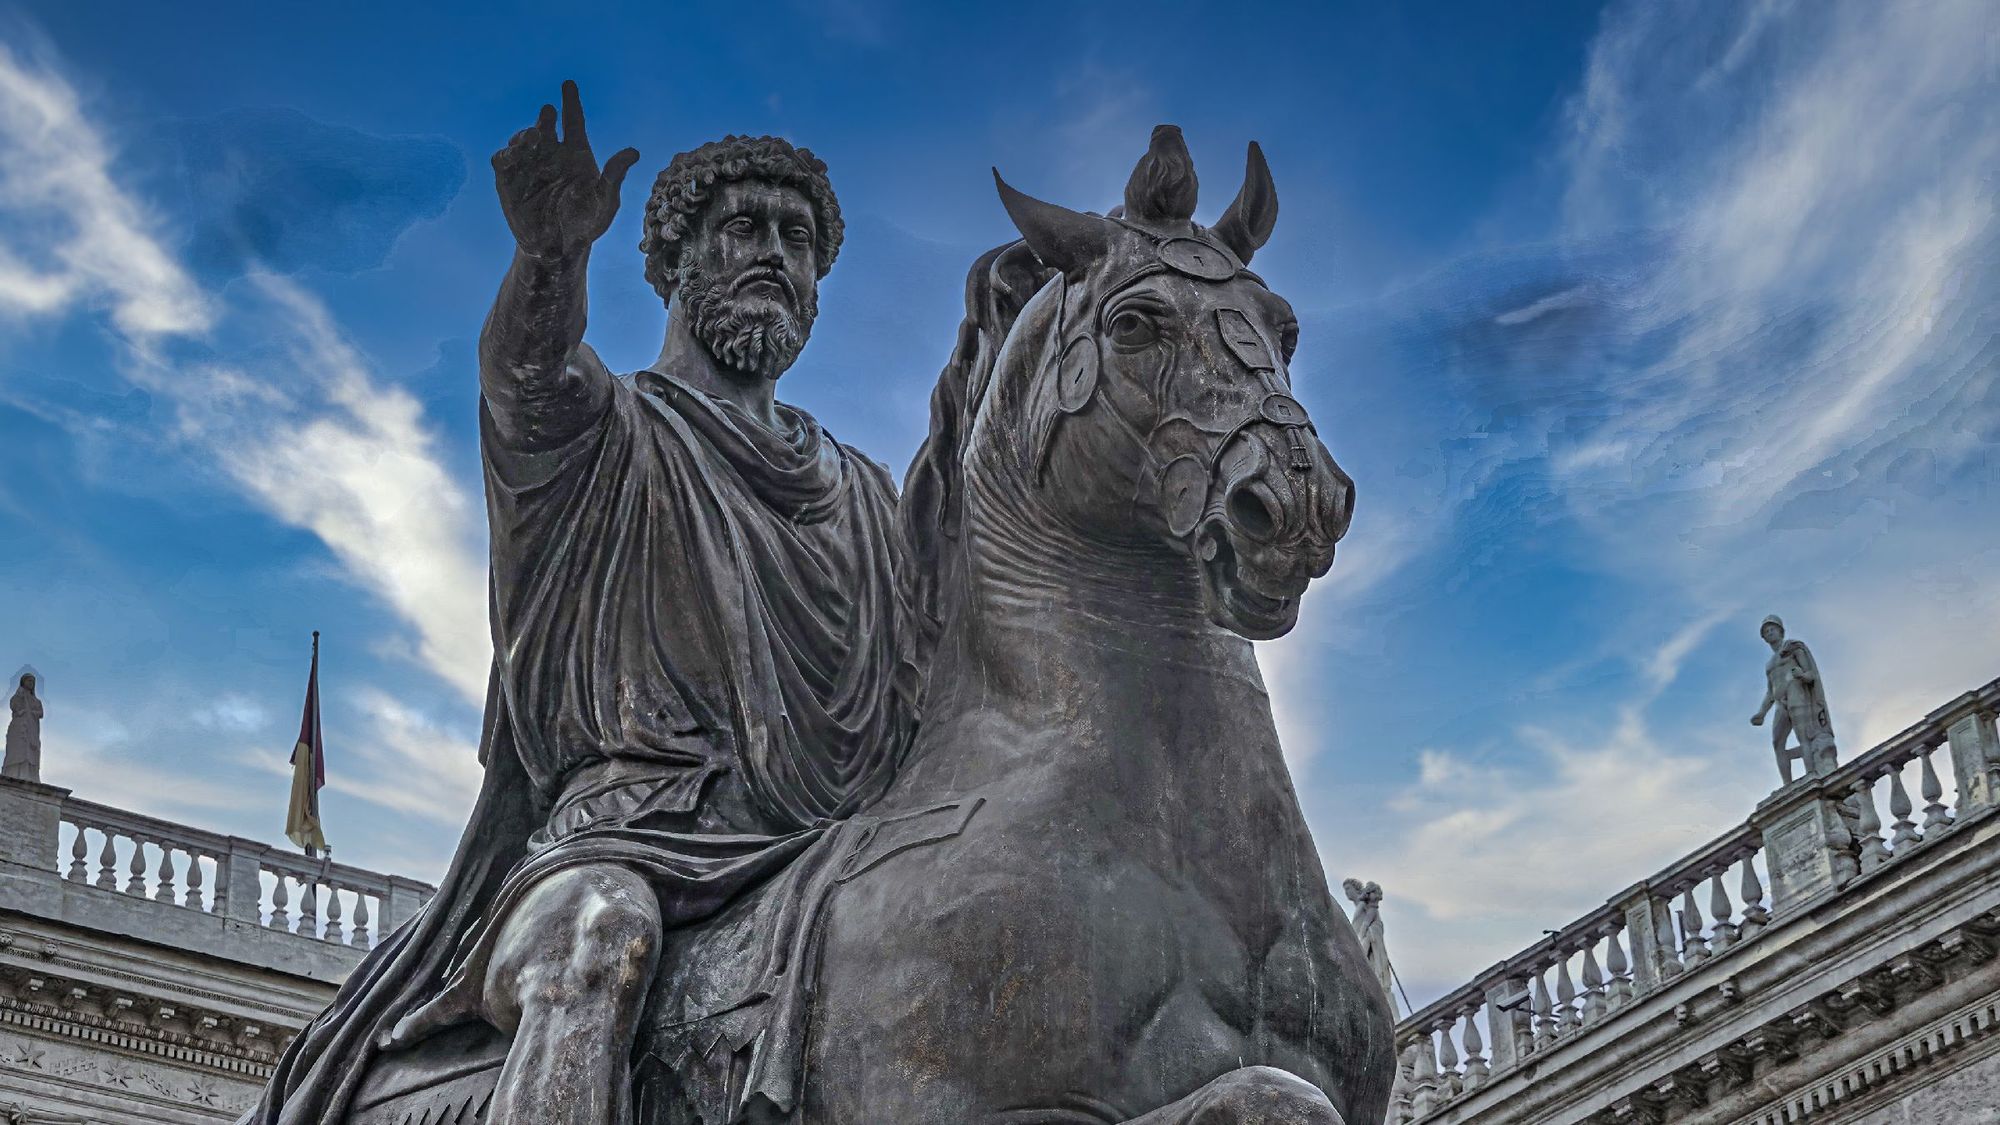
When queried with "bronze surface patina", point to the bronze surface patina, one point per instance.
{"points": [[808, 802]]}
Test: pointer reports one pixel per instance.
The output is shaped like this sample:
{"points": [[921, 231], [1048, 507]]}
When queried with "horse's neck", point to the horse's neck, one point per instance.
{"points": [[1065, 656]]}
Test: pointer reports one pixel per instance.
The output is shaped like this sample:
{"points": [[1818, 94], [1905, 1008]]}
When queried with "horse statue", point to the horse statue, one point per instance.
{"points": [[1089, 896], [1132, 924]]}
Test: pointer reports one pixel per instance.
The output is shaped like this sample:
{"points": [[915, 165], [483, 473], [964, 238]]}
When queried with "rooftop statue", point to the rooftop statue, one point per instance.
{"points": [[24, 733], [1367, 920], [713, 876], [1792, 688]]}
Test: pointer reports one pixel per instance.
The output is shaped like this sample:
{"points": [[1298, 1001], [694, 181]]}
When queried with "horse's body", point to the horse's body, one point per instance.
{"points": [[1135, 908]]}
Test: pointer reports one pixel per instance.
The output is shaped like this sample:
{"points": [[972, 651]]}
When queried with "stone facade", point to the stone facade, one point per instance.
{"points": [[1814, 964], [151, 972]]}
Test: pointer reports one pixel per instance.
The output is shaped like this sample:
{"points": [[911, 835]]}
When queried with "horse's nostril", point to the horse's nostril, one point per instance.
{"points": [[1251, 515]]}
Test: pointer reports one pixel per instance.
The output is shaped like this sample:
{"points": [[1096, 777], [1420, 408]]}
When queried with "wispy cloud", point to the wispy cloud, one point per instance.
{"points": [[1496, 852], [1775, 391], [262, 384], [96, 242], [418, 765]]}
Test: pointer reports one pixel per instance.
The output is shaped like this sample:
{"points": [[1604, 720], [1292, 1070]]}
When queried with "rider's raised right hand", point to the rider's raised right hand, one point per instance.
{"points": [[556, 199]]}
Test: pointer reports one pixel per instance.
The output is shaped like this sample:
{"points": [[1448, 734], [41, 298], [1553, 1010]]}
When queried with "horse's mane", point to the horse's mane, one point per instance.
{"points": [[997, 288]]}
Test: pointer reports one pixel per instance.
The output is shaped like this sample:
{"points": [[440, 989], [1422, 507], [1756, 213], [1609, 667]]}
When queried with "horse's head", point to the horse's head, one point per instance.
{"points": [[1161, 397]]}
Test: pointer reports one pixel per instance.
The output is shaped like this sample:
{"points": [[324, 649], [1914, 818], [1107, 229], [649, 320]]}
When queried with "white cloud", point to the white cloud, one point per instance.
{"points": [[1493, 854], [316, 441], [1816, 437], [361, 471], [99, 243], [310, 436], [232, 713], [417, 765]]}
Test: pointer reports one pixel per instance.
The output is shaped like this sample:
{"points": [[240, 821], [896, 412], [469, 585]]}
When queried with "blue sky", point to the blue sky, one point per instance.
{"points": [[1633, 323]]}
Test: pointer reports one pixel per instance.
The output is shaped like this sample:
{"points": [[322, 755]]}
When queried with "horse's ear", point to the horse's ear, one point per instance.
{"points": [[1063, 239], [1246, 226]]}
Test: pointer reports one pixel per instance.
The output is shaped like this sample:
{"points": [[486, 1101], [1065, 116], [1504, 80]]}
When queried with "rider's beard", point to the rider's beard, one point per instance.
{"points": [[753, 333]]}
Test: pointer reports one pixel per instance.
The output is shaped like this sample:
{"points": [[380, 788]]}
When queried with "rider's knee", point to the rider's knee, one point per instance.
{"points": [[1266, 1095], [605, 958]]}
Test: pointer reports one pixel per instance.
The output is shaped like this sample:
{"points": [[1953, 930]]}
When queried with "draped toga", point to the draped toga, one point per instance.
{"points": [[695, 673]]}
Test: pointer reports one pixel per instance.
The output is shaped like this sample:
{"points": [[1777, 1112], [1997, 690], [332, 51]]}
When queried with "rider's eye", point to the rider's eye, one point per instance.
{"points": [[1133, 329], [798, 234], [1288, 339], [740, 225]]}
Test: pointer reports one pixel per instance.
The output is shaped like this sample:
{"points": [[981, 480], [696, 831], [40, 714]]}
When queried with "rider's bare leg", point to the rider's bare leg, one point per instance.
{"points": [[1254, 1095], [568, 977]]}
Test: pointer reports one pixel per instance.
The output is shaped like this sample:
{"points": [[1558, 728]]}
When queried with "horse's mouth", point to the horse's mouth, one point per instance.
{"points": [[1235, 600]]}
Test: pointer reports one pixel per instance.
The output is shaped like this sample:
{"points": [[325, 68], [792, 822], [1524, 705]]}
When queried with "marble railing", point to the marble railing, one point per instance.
{"points": [[319, 900], [1805, 843], [169, 878]]}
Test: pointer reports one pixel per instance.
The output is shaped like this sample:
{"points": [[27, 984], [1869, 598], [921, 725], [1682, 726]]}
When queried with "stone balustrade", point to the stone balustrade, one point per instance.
{"points": [[83, 863], [1805, 844]]}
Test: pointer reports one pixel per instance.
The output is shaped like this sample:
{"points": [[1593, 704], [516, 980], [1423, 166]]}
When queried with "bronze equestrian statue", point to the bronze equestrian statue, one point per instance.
{"points": [[713, 876]]}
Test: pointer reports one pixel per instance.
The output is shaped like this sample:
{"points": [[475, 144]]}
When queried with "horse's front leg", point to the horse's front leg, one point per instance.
{"points": [[1254, 1095]]}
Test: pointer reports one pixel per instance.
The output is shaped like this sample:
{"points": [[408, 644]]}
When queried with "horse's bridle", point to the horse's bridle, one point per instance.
{"points": [[1184, 481]]}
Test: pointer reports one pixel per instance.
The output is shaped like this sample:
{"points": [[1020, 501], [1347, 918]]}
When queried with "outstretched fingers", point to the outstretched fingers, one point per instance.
{"points": [[572, 116]]}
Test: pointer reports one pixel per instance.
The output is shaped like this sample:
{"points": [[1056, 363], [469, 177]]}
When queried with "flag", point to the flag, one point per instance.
{"points": [[308, 770]]}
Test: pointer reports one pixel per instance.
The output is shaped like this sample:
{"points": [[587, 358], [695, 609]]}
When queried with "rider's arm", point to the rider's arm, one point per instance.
{"points": [[541, 384]]}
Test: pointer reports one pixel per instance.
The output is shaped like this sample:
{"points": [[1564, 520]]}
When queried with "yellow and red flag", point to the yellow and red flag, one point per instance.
{"points": [[308, 770]]}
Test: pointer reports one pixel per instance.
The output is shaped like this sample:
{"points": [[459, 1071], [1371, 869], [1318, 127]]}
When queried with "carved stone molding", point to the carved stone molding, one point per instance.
{"points": [[1872, 995], [82, 1067], [74, 1010]]}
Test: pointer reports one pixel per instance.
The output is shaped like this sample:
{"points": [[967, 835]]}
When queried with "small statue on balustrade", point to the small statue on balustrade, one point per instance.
{"points": [[1367, 919], [1793, 687], [24, 733]]}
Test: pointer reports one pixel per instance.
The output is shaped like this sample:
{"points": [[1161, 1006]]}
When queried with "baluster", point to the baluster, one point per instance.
{"points": [[1903, 833], [1720, 909], [1693, 950], [1873, 854], [1449, 1083], [308, 907], [165, 890], [1666, 947], [364, 938], [1423, 1087], [193, 897], [79, 854], [107, 862], [333, 933], [1593, 985], [1936, 817], [1755, 916], [136, 885], [1621, 971], [1475, 1051], [1545, 1016], [281, 918], [1566, 1013]]}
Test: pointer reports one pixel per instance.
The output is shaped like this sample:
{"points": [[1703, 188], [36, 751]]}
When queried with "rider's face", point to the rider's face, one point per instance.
{"points": [[757, 245]]}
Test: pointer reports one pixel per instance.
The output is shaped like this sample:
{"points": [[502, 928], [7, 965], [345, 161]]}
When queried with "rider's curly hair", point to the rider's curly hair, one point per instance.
{"points": [[684, 188]]}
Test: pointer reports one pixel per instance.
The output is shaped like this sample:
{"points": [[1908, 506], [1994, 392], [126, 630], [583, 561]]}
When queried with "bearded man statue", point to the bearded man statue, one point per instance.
{"points": [[694, 628]]}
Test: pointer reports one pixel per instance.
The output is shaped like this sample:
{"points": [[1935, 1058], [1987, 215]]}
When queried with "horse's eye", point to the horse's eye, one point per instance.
{"points": [[1133, 329], [1288, 339]]}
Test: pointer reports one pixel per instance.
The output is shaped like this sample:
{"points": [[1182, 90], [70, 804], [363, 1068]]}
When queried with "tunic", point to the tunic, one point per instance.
{"points": [[696, 648]]}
